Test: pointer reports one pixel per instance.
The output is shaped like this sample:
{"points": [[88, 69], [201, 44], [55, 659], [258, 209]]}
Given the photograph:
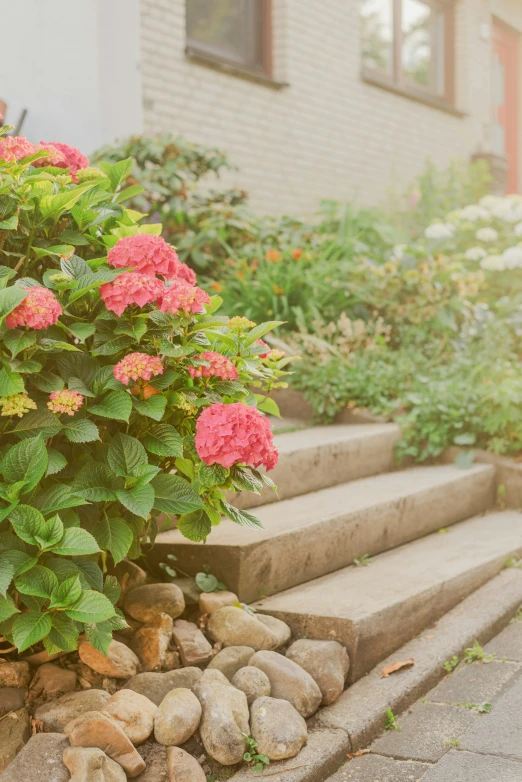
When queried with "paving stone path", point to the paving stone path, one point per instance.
{"points": [[467, 729]]}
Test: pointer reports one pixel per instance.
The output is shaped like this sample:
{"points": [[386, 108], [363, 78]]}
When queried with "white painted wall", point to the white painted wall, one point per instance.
{"points": [[75, 66]]}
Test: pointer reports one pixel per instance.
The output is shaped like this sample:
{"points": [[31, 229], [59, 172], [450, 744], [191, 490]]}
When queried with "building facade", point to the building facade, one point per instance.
{"points": [[338, 99]]}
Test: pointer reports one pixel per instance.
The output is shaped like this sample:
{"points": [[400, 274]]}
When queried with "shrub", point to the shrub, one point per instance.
{"points": [[101, 396]]}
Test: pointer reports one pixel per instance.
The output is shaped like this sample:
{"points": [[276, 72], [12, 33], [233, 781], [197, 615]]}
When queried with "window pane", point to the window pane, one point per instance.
{"points": [[230, 29], [423, 44], [377, 34]]}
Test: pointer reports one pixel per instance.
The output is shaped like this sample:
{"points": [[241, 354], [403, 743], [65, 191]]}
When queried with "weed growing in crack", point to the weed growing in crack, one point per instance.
{"points": [[476, 654], [391, 721]]}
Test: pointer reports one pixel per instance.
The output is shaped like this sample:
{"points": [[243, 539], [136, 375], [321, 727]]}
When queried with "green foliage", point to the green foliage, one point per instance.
{"points": [[451, 664], [84, 490], [257, 762], [391, 721], [476, 653]]}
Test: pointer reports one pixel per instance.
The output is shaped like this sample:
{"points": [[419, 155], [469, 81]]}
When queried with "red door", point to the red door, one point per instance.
{"points": [[504, 94]]}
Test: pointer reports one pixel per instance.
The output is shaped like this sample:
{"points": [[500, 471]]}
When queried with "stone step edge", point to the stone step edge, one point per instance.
{"points": [[359, 716]]}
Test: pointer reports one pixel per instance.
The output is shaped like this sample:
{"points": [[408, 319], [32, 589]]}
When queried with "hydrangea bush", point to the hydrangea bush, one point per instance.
{"points": [[124, 397]]}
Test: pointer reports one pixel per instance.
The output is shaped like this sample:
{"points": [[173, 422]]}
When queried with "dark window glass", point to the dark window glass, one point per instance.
{"points": [[230, 30]]}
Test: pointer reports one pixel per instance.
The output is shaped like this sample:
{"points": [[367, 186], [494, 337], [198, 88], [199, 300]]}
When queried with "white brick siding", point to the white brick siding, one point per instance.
{"points": [[328, 134]]}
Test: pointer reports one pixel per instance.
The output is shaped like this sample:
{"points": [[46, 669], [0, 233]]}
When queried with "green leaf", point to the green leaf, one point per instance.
{"points": [[27, 522], [153, 407], [10, 224], [51, 205], [116, 405], [96, 483], [57, 497], [29, 628], [112, 589], [50, 533], [7, 570], [7, 608], [66, 593], [125, 455], [206, 582], [163, 440], [10, 383], [56, 463], [90, 571], [76, 541], [195, 526], [17, 340], [26, 461], [81, 430], [108, 346], [465, 459], [63, 635], [90, 607], [117, 172], [259, 331], [82, 330], [242, 517], [270, 407], [139, 499], [48, 382], [10, 298], [39, 581], [212, 474], [100, 636], [38, 422], [175, 495], [114, 535]]}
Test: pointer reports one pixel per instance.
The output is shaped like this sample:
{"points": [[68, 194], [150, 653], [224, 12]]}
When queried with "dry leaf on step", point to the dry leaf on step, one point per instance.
{"points": [[397, 666], [358, 754]]}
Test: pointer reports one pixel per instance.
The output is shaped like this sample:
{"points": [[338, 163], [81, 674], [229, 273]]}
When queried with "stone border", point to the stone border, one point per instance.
{"points": [[359, 715]]}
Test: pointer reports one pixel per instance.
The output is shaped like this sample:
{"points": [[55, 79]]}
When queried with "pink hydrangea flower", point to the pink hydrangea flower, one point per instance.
{"points": [[15, 148], [229, 434], [130, 288], [72, 157], [149, 254], [137, 366], [183, 297], [39, 310], [56, 158], [220, 366], [65, 401], [263, 344]]}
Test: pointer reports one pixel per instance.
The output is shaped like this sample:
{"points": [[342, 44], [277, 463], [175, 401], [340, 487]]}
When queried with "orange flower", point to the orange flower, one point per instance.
{"points": [[278, 291], [296, 254], [216, 286], [273, 255]]}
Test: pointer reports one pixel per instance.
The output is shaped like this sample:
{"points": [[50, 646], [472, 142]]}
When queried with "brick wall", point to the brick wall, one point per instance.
{"points": [[328, 134]]}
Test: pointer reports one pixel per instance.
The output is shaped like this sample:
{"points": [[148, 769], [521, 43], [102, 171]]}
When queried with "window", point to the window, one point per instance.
{"points": [[234, 32], [408, 44]]}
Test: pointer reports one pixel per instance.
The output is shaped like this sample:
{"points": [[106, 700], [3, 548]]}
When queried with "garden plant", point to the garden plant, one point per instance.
{"points": [[124, 397]]}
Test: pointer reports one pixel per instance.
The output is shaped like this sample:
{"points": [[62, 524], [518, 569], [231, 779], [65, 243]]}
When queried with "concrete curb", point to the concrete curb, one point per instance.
{"points": [[359, 716]]}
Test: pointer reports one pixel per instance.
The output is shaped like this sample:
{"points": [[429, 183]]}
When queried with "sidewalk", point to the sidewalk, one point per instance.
{"points": [[467, 729]]}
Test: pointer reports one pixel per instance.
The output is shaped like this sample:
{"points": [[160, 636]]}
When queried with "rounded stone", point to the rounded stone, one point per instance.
{"points": [[151, 644], [279, 628], [52, 681], [232, 626], [155, 686], [182, 767], [289, 682], [252, 681], [57, 714], [326, 661], [278, 729], [95, 729], [14, 674], [177, 718], [225, 718], [133, 712], [40, 759], [147, 602], [120, 662], [210, 602], [230, 659], [90, 764]]}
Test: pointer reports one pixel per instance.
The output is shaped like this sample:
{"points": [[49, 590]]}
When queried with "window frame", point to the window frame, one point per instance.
{"points": [[398, 82], [211, 55]]}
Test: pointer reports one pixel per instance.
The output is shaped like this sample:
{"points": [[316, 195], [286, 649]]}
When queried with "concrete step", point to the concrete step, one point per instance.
{"points": [[320, 456], [375, 609], [307, 536]]}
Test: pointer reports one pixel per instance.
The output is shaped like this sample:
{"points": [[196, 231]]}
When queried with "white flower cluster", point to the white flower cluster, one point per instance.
{"points": [[439, 231], [510, 259], [473, 213], [486, 235], [507, 208], [475, 254]]}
